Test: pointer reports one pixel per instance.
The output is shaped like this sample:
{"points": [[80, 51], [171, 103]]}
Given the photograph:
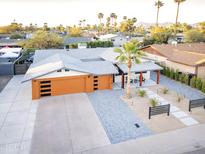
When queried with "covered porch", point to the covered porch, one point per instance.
{"points": [[140, 75]]}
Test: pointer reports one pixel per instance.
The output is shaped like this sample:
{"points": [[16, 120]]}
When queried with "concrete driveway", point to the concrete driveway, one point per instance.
{"points": [[66, 124], [54, 125]]}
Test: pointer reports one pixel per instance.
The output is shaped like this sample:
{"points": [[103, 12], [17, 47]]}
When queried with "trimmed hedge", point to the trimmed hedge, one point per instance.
{"points": [[102, 44]]}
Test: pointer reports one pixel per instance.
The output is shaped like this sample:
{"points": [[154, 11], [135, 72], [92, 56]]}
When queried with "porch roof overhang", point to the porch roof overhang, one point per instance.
{"points": [[142, 67]]}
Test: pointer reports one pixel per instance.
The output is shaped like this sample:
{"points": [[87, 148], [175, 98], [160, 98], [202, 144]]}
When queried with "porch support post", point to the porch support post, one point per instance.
{"points": [[123, 81], [158, 76], [140, 79]]}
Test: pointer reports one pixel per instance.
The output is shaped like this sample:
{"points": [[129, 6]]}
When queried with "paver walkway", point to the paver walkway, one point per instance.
{"points": [[180, 88], [116, 117], [176, 112]]}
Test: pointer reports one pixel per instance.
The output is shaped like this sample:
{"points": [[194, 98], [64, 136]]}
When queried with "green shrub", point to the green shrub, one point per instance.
{"points": [[193, 82], [164, 70], [102, 44], [168, 72], [198, 84], [172, 74], [177, 75], [186, 79], [73, 46], [142, 93], [182, 78], [153, 102], [203, 86]]}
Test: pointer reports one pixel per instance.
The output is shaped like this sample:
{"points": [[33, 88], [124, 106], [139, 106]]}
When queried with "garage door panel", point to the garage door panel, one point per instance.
{"points": [[73, 85]]}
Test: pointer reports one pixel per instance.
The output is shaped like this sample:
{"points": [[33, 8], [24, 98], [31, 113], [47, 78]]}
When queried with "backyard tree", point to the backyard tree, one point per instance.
{"points": [[158, 4], [43, 40], [193, 36], [129, 55]]}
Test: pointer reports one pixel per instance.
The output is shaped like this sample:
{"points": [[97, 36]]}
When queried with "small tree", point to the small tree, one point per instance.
{"points": [[129, 55], [193, 82], [198, 83]]}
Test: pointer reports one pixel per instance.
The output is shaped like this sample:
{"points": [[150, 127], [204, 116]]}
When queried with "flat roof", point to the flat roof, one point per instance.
{"points": [[142, 67]]}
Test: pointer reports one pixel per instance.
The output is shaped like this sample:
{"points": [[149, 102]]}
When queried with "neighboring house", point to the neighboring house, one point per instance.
{"points": [[58, 71], [81, 41], [187, 58], [11, 54], [8, 56], [12, 43]]}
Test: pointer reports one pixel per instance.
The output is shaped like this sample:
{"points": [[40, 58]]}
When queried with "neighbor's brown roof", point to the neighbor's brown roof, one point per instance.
{"points": [[188, 54]]}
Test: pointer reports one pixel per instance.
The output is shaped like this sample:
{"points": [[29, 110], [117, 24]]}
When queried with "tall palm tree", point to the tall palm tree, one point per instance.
{"points": [[100, 17], [158, 4], [178, 4], [129, 55], [112, 16]]}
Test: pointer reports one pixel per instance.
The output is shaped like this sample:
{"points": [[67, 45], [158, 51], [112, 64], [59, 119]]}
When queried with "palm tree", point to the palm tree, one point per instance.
{"points": [[100, 17], [178, 4], [158, 4], [130, 54], [112, 16]]}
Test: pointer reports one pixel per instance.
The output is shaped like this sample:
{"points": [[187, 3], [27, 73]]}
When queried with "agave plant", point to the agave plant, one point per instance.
{"points": [[153, 102]]}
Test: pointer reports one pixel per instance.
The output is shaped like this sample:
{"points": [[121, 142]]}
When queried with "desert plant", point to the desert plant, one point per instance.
{"points": [[198, 83], [193, 82], [179, 98], [142, 93], [203, 86], [165, 90], [153, 102]]}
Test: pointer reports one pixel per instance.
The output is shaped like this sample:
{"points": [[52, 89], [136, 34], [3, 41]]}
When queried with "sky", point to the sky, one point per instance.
{"points": [[69, 12]]}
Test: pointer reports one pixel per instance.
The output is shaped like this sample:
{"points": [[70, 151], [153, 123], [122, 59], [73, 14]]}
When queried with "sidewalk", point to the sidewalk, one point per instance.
{"points": [[179, 141]]}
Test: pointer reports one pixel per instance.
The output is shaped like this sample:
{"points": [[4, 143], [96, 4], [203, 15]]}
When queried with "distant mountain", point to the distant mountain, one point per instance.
{"points": [[147, 25]]}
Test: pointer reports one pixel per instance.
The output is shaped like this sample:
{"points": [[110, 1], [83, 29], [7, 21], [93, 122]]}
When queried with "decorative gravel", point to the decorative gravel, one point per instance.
{"points": [[180, 88], [116, 117]]}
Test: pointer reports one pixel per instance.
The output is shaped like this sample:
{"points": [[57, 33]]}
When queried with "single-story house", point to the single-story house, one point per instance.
{"points": [[58, 71], [12, 43], [81, 41], [187, 58]]}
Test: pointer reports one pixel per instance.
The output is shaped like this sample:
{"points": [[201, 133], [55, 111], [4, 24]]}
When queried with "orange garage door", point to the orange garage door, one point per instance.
{"points": [[68, 85]]}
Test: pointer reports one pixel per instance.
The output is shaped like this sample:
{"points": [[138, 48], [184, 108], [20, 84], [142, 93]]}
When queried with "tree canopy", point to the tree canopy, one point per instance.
{"points": [[193, 36], [43, 40]]}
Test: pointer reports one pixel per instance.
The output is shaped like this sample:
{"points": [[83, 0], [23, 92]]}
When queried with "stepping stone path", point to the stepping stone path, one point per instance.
{"points": [[175, 111]]}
